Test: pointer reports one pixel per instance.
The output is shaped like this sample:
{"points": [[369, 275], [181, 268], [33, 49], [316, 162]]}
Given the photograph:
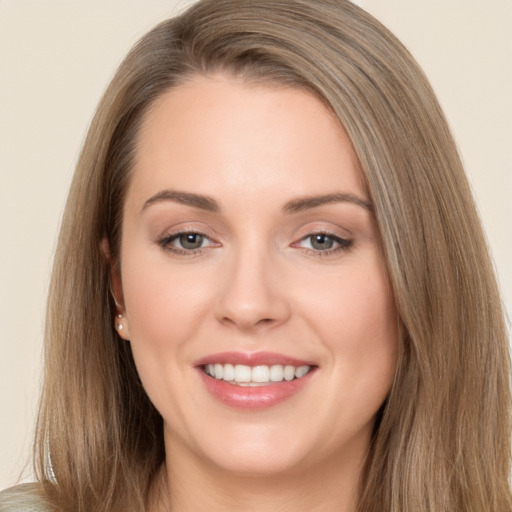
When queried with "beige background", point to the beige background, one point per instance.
{"points": [[56, 58]]}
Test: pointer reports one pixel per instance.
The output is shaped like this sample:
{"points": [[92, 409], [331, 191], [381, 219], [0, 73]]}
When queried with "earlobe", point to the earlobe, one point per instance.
{"points": [[122, 326]]}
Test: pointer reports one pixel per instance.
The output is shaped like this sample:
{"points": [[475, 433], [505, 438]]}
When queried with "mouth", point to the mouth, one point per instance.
{"points": [[254, 381], [254, 376]]}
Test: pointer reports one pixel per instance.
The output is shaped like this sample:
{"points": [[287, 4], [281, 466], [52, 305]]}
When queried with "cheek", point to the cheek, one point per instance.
{"points": [[163, 305], [356, 301], [356, 320], [164, 311]]}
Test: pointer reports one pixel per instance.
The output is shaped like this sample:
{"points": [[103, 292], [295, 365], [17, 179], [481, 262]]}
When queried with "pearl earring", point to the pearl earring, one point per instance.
{"points": [[119, 325]]}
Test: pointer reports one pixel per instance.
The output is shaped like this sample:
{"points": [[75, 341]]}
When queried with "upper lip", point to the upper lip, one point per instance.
{"points": [[251, 359]]}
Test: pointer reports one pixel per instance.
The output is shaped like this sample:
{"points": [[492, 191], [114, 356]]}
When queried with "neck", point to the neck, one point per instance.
{"points": [[188, 484]]}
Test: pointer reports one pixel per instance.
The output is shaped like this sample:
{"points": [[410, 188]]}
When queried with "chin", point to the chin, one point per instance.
{"points": [[248, 450]]}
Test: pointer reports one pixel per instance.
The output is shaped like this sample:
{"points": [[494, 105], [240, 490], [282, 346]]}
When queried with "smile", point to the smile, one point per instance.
{"points": [[252, 376], [254, 381]]}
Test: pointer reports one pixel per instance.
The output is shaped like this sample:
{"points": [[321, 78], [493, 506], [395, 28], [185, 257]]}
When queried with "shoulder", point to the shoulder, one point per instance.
{"points": [[22, 498]]}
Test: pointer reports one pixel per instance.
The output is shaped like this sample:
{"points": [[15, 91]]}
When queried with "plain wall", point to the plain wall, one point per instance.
{"points": [[56, 58]]}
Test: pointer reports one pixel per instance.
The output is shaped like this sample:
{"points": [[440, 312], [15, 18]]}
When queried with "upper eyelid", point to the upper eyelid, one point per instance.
{"points": [[173, 236], [336, 238], [307, 229], [323, 228], [183, 229]]}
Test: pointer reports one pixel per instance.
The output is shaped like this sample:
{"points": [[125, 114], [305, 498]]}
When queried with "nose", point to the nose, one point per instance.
{"points": [[253, 294]]}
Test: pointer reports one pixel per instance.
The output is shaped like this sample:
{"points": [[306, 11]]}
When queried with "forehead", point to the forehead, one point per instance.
{"points": [[216, 134]]}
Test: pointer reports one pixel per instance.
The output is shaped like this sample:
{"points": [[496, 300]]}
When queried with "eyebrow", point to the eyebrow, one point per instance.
{"points": [[195, 200], [294, 206], [307, 203]]}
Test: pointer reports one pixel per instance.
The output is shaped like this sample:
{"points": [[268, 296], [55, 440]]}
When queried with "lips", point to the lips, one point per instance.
{"points": [[253, 380]]}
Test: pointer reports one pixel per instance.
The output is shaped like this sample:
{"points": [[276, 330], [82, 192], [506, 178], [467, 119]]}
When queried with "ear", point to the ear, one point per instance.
{"points": [[116, 289]]}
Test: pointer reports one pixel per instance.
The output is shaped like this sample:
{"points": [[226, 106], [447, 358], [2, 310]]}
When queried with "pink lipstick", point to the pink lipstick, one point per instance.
{"points": [[253, 380]]}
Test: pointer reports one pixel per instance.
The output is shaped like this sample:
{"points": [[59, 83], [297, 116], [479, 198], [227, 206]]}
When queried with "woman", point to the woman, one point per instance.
{"points": [[271, 289]]}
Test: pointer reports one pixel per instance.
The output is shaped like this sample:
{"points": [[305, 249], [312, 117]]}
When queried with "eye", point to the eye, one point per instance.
{"points": [[185, 242], [321, 242], [324, 243], [190, 241]]}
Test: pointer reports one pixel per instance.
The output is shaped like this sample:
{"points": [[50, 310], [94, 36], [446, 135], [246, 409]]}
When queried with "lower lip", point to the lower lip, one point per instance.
{"points": [[254, 397]]}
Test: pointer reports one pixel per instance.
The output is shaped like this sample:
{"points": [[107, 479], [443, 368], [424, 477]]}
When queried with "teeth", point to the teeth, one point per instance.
{"points": [[301, 371], [242, 373], [289, 372], [228, 372], [255, 375], [260, 374], [276, 373], [219, 371]]}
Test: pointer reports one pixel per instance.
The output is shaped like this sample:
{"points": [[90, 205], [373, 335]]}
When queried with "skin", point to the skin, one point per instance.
{"points": [[257, 283]]}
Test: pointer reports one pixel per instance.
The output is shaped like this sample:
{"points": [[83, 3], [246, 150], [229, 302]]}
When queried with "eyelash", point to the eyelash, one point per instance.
{"points": [[343, 244], [166, 243]]}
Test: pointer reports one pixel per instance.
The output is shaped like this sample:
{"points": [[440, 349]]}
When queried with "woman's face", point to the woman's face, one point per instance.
{"points": [[252, 285]]}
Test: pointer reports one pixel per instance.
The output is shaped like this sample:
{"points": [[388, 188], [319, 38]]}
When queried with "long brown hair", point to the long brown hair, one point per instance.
{"points": [[443, 438]]}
